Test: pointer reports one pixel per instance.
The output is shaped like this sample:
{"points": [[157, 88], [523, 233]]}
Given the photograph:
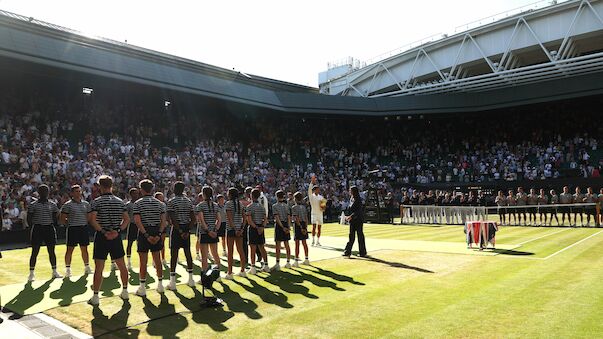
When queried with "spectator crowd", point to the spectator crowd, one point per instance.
{"points": [[74, 140]]}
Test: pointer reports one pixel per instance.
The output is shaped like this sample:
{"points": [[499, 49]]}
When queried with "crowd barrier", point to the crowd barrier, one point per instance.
{"points": [[587, 214]]}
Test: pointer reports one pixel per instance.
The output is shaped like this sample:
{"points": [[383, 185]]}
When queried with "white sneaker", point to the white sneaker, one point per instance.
{"points": [[313, 242], [306, 262], [94, 301], [191, 282], [276, 267], [141, 291], [129, 267], [160, 288], [171, 286], [219, 279], [242, 274], [266, 269], [318, 243], [124, 295], [88, 270], [287, 265], [68, 273], [113, 266], [224, 254], [296, 263], [31, 277], [252, 271], [228, 277], [56, 275]]}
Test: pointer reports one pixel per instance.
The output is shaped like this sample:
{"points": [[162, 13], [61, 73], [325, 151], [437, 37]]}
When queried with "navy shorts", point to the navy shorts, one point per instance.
{"points": [[41, 234], [204, 238], [132, 232], [254, 238], [280, 234], [77, 236], [301, 231], [176, 240], [144, 246], [104, 247], [233, 234], [222, 230]]}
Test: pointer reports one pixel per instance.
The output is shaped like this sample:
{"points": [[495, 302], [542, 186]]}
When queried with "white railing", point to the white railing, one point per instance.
{"points": [[585, 214], [449, 215]]}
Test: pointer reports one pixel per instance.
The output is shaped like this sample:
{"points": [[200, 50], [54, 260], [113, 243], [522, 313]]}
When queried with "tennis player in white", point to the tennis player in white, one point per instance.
{"points": [[317, 205]]}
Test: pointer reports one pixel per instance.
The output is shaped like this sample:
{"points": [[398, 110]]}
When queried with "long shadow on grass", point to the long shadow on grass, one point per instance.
{"points": [[104, 325], [332, 275], [237, 303], [27, 298], [398, 265], [70, 289], [212, 317], [165, 309], [291, 283], [110, 283], [268, 296], [510, 252]]}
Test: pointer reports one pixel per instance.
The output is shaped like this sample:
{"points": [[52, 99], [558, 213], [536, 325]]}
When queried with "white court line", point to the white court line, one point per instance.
{"points": [[542, 236], [572, 245]]}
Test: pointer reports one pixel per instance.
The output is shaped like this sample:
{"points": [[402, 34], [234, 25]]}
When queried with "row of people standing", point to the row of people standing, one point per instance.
{"points": [[145, 219], [534, 209]]}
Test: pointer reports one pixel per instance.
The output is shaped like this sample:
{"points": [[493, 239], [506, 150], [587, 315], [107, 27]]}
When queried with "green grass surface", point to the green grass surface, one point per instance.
{"points": [[546, 284]]}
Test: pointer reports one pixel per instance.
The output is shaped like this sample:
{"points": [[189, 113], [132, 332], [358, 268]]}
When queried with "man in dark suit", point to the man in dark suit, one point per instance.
{"points": [[356, 218]]}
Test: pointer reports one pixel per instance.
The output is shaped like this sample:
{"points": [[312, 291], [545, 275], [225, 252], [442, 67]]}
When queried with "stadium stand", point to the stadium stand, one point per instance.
{"points": [[62, 137]]}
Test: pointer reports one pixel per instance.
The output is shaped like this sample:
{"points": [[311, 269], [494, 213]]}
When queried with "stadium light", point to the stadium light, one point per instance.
{"points": [[87, 91], [167, 103]]}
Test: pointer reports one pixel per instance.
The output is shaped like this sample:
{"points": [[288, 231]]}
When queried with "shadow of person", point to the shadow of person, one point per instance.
{"points": [[290, 283], [267, 296], [214, 317], [110, 283], [103, 325], [167, 311], [509, 252], [134, 279], [317, 281], [27, 298], [70, 289], [397, 265], [237, 303], [331, 274]]}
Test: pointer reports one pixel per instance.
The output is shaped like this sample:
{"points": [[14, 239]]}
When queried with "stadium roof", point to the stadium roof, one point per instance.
{"points": [[39, 44]]}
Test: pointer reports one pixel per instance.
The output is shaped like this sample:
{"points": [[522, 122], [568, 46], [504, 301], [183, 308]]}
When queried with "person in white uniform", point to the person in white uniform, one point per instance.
{"points": [[317, 206]]}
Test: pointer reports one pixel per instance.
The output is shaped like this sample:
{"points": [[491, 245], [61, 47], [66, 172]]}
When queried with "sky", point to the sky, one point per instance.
{"points": [[286, 40]]}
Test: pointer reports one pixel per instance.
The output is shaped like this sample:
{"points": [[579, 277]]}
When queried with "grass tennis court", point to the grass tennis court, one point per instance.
{"points": [[420, 282]]}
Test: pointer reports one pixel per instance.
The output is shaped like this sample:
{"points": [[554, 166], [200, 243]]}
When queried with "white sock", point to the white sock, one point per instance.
{"points": [[173, 278]]}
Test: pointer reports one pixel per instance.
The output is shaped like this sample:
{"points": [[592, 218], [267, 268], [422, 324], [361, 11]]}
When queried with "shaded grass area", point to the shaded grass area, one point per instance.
{"points": [[395, 293]]}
